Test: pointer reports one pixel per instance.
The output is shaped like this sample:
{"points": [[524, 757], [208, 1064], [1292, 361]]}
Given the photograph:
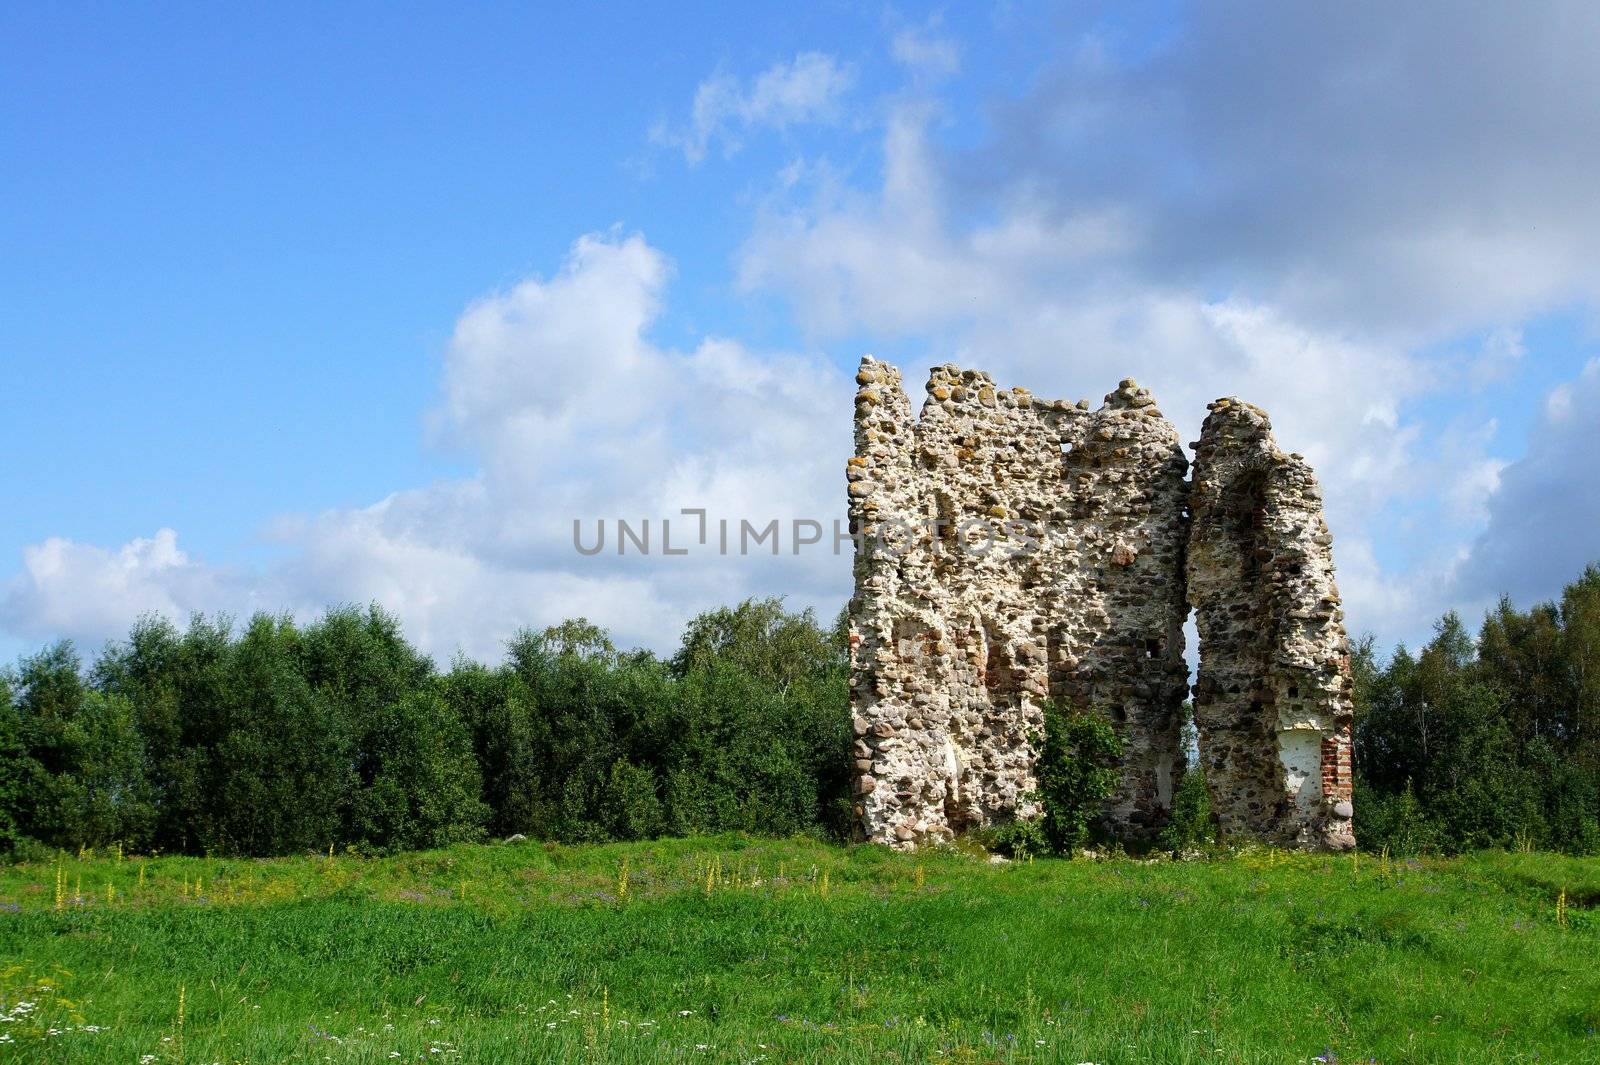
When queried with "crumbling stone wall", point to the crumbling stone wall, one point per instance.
{"points": [[1012, 549], [1272, 700]]}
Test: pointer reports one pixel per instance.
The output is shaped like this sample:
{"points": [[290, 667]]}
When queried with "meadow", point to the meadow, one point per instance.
{"points": [[736, 949]]}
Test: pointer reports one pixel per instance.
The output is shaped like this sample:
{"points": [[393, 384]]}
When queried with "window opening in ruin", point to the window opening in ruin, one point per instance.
{"points": [[1068, 457], [999, 673], [1248, 513], [945, 512]]}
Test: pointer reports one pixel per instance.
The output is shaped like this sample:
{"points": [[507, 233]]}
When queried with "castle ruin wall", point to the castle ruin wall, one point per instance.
{"points": [[1273, 697], [1012, 549]]}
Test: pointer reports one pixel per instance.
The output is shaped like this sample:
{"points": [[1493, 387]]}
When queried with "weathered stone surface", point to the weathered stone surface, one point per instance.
{"points": [[1272, 700], [961, 626], [1013, 549]]}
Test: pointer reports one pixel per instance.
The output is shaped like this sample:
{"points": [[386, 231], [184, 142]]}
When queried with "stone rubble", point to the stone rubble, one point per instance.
{"points": [[1013, 549]]}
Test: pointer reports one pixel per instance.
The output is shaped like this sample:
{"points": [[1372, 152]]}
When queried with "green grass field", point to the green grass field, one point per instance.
{"points": [[727, 949]]}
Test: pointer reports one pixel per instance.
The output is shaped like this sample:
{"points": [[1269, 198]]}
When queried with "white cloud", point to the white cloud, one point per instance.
{"points": [[1026, 295], [1558, 404], [806, 89], [1502, 351], [528, 367], [1042, 296], [1298, 206], [68, 589], [1545, 511], [1420, 168], [927, 55], [574, 413]]}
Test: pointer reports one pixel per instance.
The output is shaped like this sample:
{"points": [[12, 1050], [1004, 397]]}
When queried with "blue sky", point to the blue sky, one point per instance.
{"points": [[300, 307]]}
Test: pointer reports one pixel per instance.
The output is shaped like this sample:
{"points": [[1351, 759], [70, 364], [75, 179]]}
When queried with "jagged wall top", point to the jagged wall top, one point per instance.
{"points": [[1273, 695], [959, 639], [953, 649]]}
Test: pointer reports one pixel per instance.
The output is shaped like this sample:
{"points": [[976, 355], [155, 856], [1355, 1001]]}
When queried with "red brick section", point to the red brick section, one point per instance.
{"points": [[1336, 766]]}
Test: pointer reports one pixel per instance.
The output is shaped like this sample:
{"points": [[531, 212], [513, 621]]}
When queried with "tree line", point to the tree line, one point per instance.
{"points": [[277, 738], [1491, 741], [280, 739]]}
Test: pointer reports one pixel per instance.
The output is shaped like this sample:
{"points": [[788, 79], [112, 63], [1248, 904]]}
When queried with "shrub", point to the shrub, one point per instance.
{"points": [[1077, 772], [420, 784], [633, 810], [1190, 825], [1396, 823], [1015, 839]]}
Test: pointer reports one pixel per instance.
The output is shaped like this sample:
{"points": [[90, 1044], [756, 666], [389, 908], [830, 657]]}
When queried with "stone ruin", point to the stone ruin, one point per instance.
{"points": [[1011, 550]]}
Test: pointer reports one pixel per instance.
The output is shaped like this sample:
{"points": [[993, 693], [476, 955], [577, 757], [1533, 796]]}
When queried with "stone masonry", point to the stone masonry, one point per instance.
{"points": [[1012, 549], [1272, 701], [963, 627]]}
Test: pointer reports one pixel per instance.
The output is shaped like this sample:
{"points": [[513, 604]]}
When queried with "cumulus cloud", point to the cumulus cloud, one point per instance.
{"points": [[80, 591], [1545, 511], [1311, 209], [574, 414], [807, 89], [1027, 296], [529, 367], [1413, 168], [1345, 215]]}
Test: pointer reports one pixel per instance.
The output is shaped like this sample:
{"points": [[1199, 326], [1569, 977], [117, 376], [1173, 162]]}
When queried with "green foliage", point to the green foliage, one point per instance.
{"points": [[762, 740], [1493, 742], [1396, 822], [633, 810], [76, 765], [102, 798], [1077, 772], [281, 739], [277, 738], [283, 761], [1190, 826], [588, 704], [1019, 839], [420, 786], [15, 771], [759, 638], [507, 735]]}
